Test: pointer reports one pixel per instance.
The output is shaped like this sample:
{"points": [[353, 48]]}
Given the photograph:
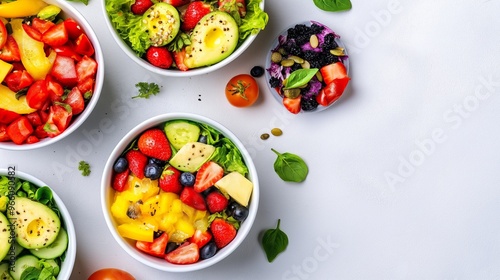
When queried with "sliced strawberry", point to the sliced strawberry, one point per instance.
{"points": [[68, 51], [120, 180], [331, 92], [177, 3], [38, 95], [154, 143], [333, 71], [64, 71], [18, 80], [209, 173], [19, 130], [140, 6], [73, 28], [223, 232], [3, 34], [216, 202], [292, 104], [56, 91], [194, 12], [76, 101], [201, 238], [32, 32], [192, 198], [59, 119], [4, 137], [55, 35], [86, 68], [155, 248], [83, 45], [187, 253], [6, 116], [86, 87], [179, 60], [137, 162], [10, 51], [41, 25], [169, 180]]}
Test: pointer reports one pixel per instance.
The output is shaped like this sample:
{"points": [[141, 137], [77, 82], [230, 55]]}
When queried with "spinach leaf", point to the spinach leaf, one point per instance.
{"points": [[300, 77], [333, 5], [290, 167], [274, 242]]}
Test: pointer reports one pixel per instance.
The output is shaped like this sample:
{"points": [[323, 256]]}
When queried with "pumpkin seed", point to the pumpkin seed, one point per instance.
{"points": [[291, 92], [287, 62], [276, 131], [276, 57], [319, 77], [305, 65], [297, 59], [337, 51], [264, 136], [313, 40]]}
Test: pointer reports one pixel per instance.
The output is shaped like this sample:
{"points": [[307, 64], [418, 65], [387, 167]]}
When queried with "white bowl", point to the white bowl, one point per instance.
{"points": [[69, 12], [175, 72], [107, 195], [69, 261]]}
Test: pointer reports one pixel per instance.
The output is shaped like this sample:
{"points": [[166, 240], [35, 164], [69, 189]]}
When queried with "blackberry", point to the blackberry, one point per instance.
{"points": [[316, 29], [328, 58], [329, 42], [295, 66], [310, 56], [274, 82], [298, 30], [308, 104], [294, 50]]}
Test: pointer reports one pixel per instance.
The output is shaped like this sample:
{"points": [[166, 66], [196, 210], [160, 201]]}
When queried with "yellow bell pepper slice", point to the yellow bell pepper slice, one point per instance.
{"points": [[21, 8], [136, 231], [5, 69], [8, 101]]}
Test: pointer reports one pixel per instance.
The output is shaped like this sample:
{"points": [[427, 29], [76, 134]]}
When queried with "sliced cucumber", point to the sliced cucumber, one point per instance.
{"points": [[181, 132], [22, 264], [4, 272], [16, 248], [54, 250]]}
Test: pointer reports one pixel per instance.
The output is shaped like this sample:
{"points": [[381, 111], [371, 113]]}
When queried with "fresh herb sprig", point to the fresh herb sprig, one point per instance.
{"points": [[290, 167], [300, 77], [84, 167], [333, 5], [274, 242], [146, 89]]}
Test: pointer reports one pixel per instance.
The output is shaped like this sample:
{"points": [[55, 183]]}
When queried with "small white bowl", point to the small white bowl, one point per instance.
{"points": [[67, 11], [107, 195], [69, 261], [175, 72]]}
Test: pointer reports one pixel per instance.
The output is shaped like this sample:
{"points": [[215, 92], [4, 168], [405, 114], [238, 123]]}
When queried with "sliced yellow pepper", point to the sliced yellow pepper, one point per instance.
{"points": [[5, 69], [136, 231], [21, 8], [9, 102]]}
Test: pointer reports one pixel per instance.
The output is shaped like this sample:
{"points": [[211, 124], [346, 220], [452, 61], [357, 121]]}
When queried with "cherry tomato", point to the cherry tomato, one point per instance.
{"points": [[111, 274], [242, 90]]}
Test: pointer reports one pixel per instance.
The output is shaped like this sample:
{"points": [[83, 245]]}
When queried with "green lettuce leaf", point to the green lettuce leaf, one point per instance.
{"points": [[254, 21]]}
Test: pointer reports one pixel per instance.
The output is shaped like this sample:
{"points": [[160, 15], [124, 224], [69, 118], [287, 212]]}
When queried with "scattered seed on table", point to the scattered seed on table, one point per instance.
{"points": [[276, 131], [264, 136]]}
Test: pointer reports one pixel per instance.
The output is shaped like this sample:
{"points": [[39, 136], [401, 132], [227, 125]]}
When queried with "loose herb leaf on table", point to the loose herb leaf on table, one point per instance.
{"points": [[333, 5], [147, 89], [274, 241], [290, 167], [84, 167]]}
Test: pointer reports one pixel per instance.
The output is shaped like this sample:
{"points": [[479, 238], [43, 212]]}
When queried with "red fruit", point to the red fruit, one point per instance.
{"points": [[192, 198], [120, 180], [223, 232], [76, 101], [19, 130], [18, 79], [64, 71], [185, 254], [73, 28], [136, 162], [86, 86], [55, 35], [3, 34], [201, 238], [179, 60], [58, 120], [209, 173], [55, 89], [155, 248], [41, 131], [177, 3], [331, 92], [230, 6], [140, 6], [67, 51], [38, 95], [194, 12], [292, 104], [4, 137], [154, 143], [7, 116], [34, 119], [169, 180], [333, 71], [41, 25], [32, 139], [83, 45], [216, 202], [32, 32], [159, 57], [86, 68], [10, 51]]}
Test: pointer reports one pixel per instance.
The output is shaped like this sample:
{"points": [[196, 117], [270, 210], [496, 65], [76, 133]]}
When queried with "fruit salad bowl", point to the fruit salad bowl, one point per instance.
{"points": [[184, 38], [179, 192], [20, 250], [54, 82]]}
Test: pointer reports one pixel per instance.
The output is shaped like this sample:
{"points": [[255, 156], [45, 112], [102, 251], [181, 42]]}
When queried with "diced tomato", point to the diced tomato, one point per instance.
{"points": [[64, 71], [83, 45], [19, 130], [185, 254], [41, 25], [201, 238], [86, 68], [68, 51], [38, 95], [4, 137], [32, 32], [76, 101], [155, 248], [18, 80], [40, 132], [6, 116], [332, 92], [59, 119], [10, 51], [44, 115], [56, 35], [56, 91], [73, 28], [3, 34], [17, 66], [32, 139], [86, 86], [34, 119]]}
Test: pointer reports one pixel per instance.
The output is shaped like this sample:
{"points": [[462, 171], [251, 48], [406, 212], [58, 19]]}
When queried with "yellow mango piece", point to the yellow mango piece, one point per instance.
{"points": [[32, 52], [140, 189], [150, 222], [166, 200], [201, 224], [21, 8], [119, 209], [167, 223], [151, 206], [136, 231], [188, 211], [176, 208], [5, 69], [9, 102], [199, 214]]}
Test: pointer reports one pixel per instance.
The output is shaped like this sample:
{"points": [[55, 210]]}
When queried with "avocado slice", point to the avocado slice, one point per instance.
{"points": [[4, 235], [162, 23], [35, 224], [213, 39], [192, 156]]}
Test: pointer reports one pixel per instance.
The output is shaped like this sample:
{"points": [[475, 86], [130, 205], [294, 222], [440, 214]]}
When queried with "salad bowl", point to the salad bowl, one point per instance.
{"points": [[170, 256], [38, 126]]}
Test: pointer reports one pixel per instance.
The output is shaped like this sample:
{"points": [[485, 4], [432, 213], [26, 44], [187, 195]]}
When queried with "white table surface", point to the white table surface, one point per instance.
{"points": [[421, 110]]}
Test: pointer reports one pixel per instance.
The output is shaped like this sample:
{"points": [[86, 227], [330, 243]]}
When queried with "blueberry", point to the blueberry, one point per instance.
{"points": [[202, 139], [171, 246], [208, 251], [152, 171], [156, 161], [187, 179], [237, 211], [120, 165], [257, 71]]}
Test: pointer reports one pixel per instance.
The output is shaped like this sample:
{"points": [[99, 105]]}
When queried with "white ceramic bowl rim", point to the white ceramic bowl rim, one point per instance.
{"points": [[159, 263], [69, 261]]}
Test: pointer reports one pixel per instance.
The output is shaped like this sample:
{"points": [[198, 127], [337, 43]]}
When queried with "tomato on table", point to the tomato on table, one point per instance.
{"points": [[111, 274], [242, 90]]}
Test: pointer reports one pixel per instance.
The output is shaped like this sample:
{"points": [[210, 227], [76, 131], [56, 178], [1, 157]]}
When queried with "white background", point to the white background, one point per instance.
{"points": [[422, 108]]}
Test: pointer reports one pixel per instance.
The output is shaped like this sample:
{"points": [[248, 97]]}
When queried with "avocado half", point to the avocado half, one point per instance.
{"points": [[213, 39]]}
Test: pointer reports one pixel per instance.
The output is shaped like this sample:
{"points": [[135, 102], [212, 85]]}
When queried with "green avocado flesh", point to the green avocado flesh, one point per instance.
{"points": [[4, 236], [213, 39], [162, 23]]}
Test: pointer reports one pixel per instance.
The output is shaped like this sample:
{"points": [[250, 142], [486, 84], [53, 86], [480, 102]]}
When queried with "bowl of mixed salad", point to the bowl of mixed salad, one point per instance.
{"points": [[37, 233], [307, 67], [51, 72], [179, 192], [183, 38]]}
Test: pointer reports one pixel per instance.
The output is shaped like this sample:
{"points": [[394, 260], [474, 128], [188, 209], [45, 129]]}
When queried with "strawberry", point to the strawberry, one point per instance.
{"points": [[209, 173], [136, 162], [216, 202], [10, 51], [75, 100], [223, 232], [194, 12], [155, 248], [56, 35], [333, 71], [292, 104], [59, 118], [34, 119], [4, 137], [64, 71], [7, 116], [154, 143], [331, 92], [179, 60], [83, 45], [192, 198], [85, 68], [177, 3], [73, 28], [120, 180], [18, 79], [140, 6], [185, 254], [32, 139], [19, 130], [86, 86], [201, 238], [55, 89], [32, 32], [169, 180], [41, 25], [159, 57], [231, 6]]}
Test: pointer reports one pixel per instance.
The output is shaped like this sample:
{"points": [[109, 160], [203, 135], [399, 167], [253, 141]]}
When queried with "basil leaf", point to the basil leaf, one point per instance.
{"points": [[290, 167], [274, 241], [300, 77], [333, 5]]}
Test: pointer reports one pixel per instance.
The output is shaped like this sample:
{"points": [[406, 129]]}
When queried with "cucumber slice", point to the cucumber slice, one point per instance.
{"points": [[55, 249], [22, 264], [4, 272], [181, 132], [16, 248]]}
